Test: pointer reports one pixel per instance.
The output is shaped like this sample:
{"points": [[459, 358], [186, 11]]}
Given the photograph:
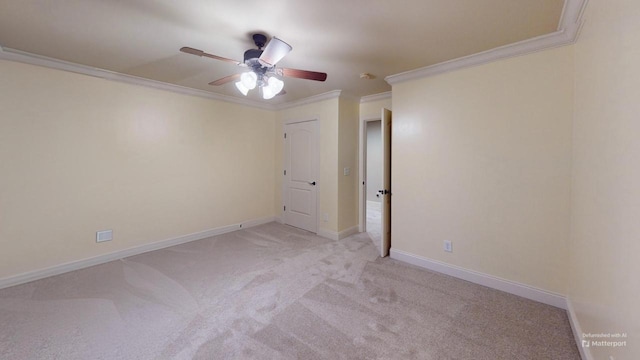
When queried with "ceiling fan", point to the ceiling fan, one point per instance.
{"points": [[263, 72]]}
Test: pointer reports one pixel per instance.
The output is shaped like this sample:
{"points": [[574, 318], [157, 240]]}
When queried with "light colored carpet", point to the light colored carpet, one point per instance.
{"points": [[273, 292]]}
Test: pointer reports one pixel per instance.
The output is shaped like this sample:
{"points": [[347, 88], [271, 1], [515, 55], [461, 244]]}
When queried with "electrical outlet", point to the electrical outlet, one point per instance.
{"points": [[325, 217], [347, 171], [104, 235], [448, 246]]}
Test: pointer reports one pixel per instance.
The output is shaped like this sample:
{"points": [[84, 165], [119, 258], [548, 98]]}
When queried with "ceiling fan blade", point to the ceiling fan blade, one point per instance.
{"points": [[197, 52], [304, 74], [225, 80], [276, 49]]}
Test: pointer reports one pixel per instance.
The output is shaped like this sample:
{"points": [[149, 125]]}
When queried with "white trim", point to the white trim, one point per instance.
{"points": [[39, 60], [329, 234], [585, 353], [283, 184], [348, 232], [300, 120], [310, 100], [569, 28], [491, 281], [117, 255], [257, 222], [571, 17], [375, 97]]}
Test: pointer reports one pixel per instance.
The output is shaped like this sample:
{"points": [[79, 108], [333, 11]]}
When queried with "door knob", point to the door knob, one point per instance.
{"points": [[312, 183]]}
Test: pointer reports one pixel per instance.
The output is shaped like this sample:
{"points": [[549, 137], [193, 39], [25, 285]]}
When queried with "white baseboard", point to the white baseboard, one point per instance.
{"points": [[101, 259], [256, 222], [487, 280], [585, 353], [347, 232], [333, 235]]}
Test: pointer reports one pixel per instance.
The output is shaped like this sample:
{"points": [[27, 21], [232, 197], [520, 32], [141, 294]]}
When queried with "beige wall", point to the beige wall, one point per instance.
{"points": [[482, 157], [327, 114], [80, 154], [348, 158], [605, 243], [371, 109]]}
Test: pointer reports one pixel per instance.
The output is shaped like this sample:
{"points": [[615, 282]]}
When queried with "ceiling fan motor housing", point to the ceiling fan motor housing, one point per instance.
{"points": [[251, 54], [260, 40]]}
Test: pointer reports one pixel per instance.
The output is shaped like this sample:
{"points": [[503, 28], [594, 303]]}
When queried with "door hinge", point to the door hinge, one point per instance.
{"points": [[285, 172], [285, 135], [285, 208]]}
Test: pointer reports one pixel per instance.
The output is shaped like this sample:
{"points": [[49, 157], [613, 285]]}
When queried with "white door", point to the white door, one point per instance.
{"points": [[385, 193], [300, 175]]}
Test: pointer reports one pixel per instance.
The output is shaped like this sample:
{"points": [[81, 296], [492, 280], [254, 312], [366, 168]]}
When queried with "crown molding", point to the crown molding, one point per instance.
{"points": [[310, 100], [39, 60], [375, 97], [571, 17], [349, 96], [568, 31]]}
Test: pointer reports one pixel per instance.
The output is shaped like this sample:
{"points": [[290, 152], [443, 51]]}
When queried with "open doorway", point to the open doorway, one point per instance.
{"points": [[373, 180], [375, 170]]}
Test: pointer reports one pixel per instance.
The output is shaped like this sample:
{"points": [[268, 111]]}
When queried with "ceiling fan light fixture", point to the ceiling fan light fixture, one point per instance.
{"points": [[243, 89], [276, 84], [249, 80], [273, 88], [267, 93]]}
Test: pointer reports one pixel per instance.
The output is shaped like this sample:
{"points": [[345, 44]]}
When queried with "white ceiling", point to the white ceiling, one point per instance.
{"points": [[340, 37]]}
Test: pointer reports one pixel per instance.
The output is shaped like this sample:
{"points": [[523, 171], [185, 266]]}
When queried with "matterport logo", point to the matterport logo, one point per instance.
{"points": [[604, 340]]}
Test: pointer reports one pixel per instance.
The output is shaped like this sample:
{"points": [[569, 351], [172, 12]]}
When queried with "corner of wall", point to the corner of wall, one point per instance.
{"points": [[348, 170]]}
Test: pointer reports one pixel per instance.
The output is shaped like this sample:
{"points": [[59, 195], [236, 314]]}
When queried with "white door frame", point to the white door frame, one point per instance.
{"points": [[317, 158], [386, 128], [362, 204]]}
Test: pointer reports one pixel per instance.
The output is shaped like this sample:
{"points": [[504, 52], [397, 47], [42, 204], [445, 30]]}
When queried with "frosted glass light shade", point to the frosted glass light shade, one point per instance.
{"points": [[267, 93], [249, 80], [276, 49], [274, 86], [243, 89], [270, 88]]}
